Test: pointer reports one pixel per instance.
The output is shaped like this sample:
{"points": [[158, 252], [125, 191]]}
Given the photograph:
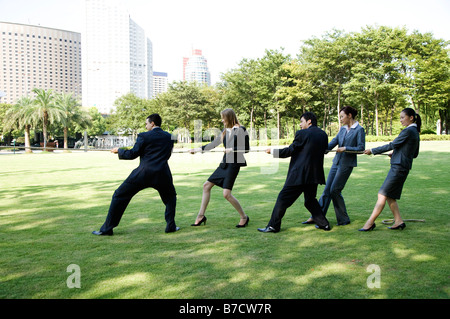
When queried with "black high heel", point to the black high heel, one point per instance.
{"points": [[200, 222], [401, 226], [368, 229], [246, 223]]}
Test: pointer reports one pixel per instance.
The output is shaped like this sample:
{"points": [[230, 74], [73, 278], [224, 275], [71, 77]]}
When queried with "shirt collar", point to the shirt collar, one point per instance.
{"points": [[353, 126]]}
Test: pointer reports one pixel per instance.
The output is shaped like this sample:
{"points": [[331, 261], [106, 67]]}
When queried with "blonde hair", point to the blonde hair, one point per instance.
{"points": [[230, 119]]}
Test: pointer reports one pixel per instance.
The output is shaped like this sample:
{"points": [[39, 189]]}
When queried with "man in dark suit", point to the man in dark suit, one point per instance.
{"points": [[304, 174], [154, 148]]}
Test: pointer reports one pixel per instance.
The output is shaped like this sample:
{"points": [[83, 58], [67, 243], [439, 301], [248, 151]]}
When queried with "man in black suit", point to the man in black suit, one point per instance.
{"points": [[304, 174], [154, 148]]}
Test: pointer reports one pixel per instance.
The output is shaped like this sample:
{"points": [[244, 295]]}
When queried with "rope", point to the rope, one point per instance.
{"points": [[358, 152], [17, 148]]}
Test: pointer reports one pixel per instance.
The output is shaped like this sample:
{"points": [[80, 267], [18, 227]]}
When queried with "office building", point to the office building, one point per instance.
{"points": [[160, 83], [117, 56], [38, 57], [195, 68]]}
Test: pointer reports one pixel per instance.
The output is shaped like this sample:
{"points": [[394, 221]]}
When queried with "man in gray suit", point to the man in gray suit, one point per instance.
{"points": [[304, 174]]}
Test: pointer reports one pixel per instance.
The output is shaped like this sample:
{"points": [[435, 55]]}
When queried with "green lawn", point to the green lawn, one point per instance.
{"points": [[50, 204]]}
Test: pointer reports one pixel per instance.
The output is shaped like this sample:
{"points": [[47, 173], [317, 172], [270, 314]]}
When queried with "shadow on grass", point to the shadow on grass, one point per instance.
{"points": [[50, 227]]}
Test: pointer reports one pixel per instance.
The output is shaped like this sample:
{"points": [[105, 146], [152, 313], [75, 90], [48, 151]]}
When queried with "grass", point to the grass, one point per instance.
{"points": [[50, 203]]}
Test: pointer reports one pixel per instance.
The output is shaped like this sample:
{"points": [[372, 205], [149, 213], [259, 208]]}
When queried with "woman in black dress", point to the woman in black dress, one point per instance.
{"points": [[406, 148], [236, 142]]}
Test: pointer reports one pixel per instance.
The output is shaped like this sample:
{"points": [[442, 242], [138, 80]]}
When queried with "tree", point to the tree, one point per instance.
{"points": [[20, 116], [98, 123], [270, 77], [297, 89], [184, 102], [375, 71], [329, 61], [240, 89], [130, 114], [46, 111], [73, 114], [427, 76]]}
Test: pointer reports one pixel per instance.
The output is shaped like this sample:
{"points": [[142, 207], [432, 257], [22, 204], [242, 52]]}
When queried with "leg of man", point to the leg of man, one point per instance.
{"points": [[287, 196], [313, 206], [342, 175], [120, 200], [169, 197]]}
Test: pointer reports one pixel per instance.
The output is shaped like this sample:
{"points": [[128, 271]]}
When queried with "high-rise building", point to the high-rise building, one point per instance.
{"points": [[38, 57], [160, 83], [195, 68], [117, 56]]}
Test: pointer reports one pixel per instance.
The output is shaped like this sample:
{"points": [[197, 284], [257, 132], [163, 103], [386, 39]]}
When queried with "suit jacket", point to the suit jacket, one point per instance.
{"points": [[307, 152], [154, 149], [405, 146], [353, 140], [238, 140]]}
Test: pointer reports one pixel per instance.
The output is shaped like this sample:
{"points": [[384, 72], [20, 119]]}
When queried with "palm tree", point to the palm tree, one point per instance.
{"points": [[46, 110], [20, 116], [73, 114]]}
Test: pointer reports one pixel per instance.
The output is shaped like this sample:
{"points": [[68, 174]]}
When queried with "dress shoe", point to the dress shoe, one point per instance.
{"points": [[246, 223], [307, 222], [100, 233], [368, 229], [343, 224], [172, 231], [401, 226], [200, 222], [268, 229], [325, 228]]}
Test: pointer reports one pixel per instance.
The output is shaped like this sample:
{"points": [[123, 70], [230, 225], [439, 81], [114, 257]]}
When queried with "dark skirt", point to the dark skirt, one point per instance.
{"points": [[224, 177], [393, 184]]}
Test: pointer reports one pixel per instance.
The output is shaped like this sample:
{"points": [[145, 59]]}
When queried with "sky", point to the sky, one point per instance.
{"points": [[228, 31]]}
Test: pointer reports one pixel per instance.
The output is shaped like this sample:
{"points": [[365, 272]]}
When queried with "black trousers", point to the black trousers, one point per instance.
{"points": [[123, 195], [288, 195]]}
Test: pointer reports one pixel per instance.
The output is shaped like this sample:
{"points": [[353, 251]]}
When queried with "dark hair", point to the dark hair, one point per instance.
{"points": [[155, 118], [349, 110], [410, 112], [310, 116]]}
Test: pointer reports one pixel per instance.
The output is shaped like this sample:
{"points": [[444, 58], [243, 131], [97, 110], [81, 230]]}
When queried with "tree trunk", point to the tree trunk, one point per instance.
{"points": [[44, 133], [392, 116], [278, 124], [339, 109], [293, 124], [66, 145], [27, 139], [251, 119], [362, 114], [265, 119], [376, 115]]}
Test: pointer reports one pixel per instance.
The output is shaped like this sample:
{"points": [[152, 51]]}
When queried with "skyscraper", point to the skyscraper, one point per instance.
{"points": [[160, 83], [195, 68], [117, 56], [38, 57]]}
